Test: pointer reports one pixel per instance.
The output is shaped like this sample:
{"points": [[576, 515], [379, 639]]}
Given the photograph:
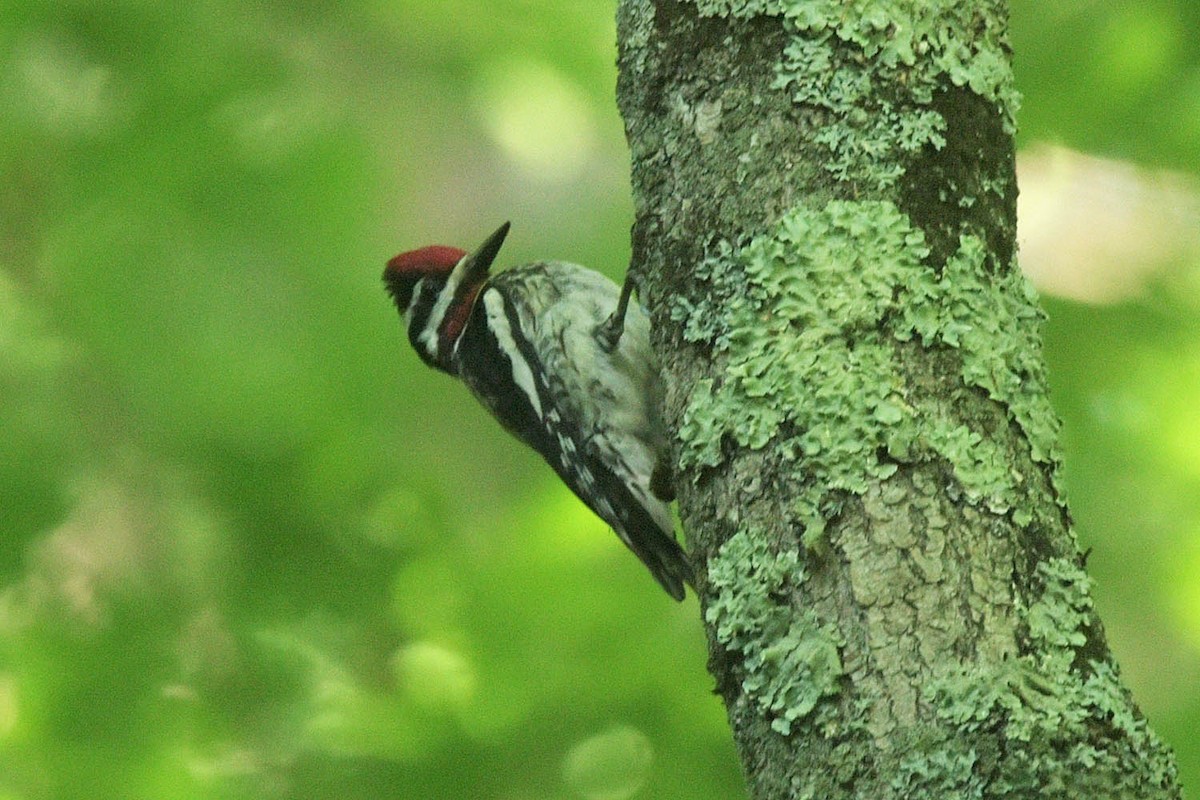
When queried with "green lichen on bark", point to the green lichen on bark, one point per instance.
{"points": [[806, 319], [1057, 716], [738, 9], [874, 66], [789, 661], [825, 202]]}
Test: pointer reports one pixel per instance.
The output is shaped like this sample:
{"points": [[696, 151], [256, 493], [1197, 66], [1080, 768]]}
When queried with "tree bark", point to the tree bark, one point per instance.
{"points": [[867, 463]]}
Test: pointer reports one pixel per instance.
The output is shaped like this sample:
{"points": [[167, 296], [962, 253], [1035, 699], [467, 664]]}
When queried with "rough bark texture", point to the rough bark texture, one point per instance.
{"points": [[867, 461]]}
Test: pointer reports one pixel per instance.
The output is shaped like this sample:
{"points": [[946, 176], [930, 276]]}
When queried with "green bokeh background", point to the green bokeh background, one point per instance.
{"points": [[252, 548]]}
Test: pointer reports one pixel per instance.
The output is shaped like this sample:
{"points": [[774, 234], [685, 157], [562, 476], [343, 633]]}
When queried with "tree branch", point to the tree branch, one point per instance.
{"points": [[866, 455]]}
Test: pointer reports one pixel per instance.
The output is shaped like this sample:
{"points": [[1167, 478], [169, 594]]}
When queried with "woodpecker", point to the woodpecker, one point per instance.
{"points": [[558, 355]]}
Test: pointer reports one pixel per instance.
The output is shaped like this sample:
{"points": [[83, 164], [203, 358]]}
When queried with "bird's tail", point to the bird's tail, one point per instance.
{"points": [[658, 550]]}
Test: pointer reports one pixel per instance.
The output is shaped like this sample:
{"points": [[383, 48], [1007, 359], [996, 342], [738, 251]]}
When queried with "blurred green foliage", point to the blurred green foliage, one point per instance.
{"points": [[252, 548]]}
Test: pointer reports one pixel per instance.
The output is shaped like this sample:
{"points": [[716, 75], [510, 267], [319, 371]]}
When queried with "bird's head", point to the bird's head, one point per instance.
{"points": [[434, 289]]}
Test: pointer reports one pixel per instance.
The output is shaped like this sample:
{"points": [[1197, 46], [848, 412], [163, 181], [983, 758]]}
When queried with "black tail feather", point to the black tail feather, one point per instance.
{"points": [[659, 551]]}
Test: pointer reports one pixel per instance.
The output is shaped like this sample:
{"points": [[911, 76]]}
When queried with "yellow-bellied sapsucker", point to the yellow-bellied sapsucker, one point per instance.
{"points": [[563, 361]]}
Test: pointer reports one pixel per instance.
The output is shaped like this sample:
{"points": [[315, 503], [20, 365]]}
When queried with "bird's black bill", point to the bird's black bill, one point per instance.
{"points": [[481, 260]]}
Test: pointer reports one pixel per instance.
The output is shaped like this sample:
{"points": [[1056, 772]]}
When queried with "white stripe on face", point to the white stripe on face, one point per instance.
{"points": [[412, 301], [429, 334]]}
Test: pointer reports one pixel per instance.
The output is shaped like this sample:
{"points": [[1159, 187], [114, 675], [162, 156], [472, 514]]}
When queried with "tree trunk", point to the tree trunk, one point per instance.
{"points": [[867, 462]]}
